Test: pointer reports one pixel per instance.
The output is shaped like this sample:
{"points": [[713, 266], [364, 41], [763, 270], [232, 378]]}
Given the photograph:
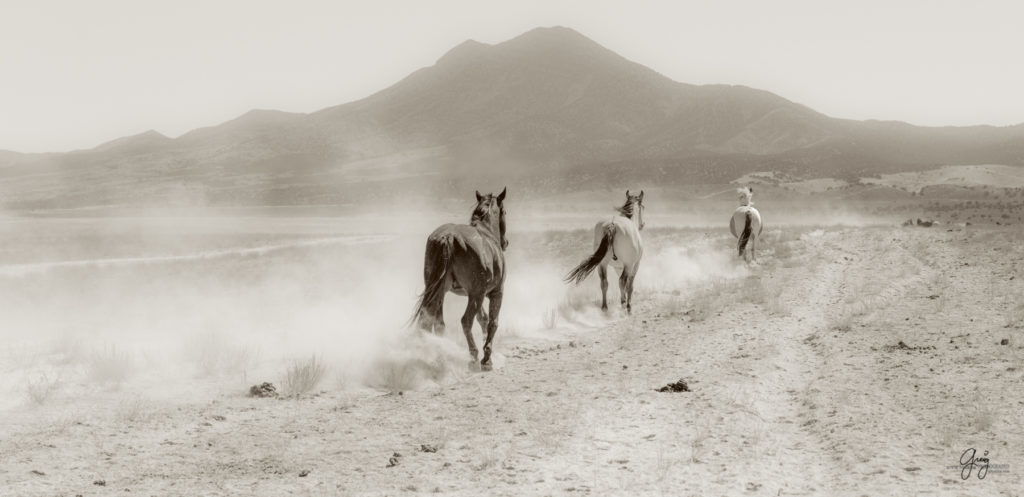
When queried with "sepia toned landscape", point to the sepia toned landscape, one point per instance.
{"points": [[849, 358], [231, 311]]}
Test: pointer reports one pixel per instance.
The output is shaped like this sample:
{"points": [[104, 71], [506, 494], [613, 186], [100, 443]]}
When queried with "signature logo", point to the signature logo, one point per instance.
{"points": [[968, 461]]}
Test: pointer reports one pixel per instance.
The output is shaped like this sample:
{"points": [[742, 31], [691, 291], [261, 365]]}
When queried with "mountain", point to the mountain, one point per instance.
{"points": [[547, 110]]}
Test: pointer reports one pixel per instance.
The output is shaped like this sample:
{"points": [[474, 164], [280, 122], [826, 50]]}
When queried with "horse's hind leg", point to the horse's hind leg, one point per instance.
{"points": [[622, 285], [475, 301], [602, 271], [481, 317], [492, 327], [629, 290], [437, 316]]}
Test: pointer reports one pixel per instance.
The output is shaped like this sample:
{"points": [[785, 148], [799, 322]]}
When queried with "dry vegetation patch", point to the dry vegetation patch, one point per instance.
{"points": [[304, 376]]}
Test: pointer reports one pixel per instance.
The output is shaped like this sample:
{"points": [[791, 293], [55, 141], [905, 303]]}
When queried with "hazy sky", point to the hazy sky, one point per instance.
{"points": [[74, 74]]}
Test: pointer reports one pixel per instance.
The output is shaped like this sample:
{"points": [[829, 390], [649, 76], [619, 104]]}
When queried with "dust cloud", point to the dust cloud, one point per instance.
{"points": [[188, 307]]}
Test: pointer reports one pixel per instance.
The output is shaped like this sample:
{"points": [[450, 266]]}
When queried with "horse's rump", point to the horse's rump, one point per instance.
{"points": [[580, 272], [436, 264]]}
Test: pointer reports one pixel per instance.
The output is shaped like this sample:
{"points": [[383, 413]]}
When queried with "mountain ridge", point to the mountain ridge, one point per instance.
{"points": [[549, 106]]}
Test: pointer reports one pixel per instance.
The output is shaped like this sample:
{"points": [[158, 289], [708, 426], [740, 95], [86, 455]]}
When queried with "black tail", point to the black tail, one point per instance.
{"points": [[436, 262], [745, 236], [580, 273]]}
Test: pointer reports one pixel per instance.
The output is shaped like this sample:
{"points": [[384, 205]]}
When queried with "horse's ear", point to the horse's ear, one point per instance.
{"points": [[627, 193], [641, 195], [501, 196], [478, 196], [751, 189]]}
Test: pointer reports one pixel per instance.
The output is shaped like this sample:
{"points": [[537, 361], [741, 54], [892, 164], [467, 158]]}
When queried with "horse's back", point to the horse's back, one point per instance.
{"points": [[476, 259]]}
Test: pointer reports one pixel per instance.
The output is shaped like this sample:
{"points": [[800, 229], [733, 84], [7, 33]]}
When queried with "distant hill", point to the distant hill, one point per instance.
{"points": [[547, 110]]}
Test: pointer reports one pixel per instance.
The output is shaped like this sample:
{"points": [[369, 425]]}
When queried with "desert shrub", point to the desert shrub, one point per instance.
{"points": [[40, 388], [303, 376]]}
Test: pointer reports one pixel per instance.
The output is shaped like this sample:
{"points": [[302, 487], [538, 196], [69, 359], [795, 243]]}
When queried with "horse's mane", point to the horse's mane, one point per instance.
{"points": [[627, 209], [479, 214]]}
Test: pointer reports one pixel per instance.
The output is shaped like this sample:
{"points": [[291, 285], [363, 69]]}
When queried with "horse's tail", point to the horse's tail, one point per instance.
{"points": [[436, 263], [580, 273], [745, 236]]}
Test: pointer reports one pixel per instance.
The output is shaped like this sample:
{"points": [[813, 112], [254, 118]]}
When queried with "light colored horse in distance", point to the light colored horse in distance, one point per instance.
{"points": [[468, 260], [617, 242], [746, 216]]}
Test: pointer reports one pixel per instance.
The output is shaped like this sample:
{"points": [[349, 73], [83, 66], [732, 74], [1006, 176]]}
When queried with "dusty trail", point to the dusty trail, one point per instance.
{"points": [[799, 387]]}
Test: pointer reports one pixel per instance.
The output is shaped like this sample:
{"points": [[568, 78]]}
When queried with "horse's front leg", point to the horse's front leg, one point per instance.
{"points": [[475, 301], [492, 326]]}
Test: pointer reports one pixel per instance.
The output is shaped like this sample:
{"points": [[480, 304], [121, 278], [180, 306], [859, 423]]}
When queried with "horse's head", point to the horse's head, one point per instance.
{"points": [[745, 195], [634, 208], [490, 208]]}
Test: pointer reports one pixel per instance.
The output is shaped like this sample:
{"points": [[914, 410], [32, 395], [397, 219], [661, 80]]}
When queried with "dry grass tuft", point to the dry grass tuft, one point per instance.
{"points": [[1015, 312], [135, 410], [41, 388], [550, 319], [984, 417], [214, 356], [303, 376], [844, 322], [492, 458]]}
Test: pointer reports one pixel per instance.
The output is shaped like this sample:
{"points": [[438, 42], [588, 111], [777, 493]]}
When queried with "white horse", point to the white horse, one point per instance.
{"points": [[747, 216], [617, 243]]}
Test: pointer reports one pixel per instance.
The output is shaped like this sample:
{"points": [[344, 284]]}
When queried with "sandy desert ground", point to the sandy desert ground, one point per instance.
{"points": [[849, 361]]}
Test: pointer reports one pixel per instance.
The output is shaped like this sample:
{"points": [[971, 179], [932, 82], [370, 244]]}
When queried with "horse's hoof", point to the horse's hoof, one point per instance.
{"points": [[486, 366], [474, 366]]}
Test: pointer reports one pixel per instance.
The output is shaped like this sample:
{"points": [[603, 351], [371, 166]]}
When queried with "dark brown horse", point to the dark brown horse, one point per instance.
{"points": [[467, 259]]}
